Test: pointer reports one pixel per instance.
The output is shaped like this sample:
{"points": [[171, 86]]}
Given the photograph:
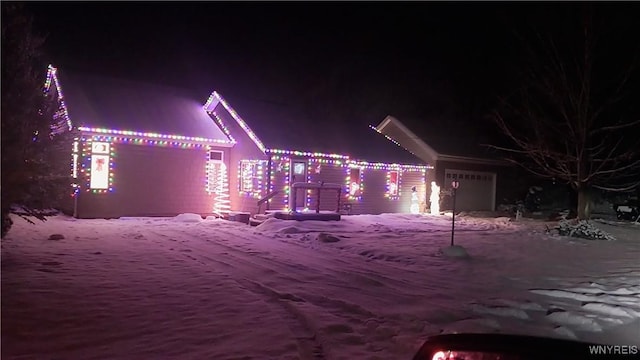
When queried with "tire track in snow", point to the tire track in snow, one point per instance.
{"points": [[250, 257], [309, 344], [349, 262]]}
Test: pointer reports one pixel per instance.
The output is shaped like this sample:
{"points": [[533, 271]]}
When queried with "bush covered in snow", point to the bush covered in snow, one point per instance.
{"points": [[582, 229]]}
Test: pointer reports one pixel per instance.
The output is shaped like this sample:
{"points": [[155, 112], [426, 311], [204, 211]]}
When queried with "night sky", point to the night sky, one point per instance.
{"points": [[427, 63]]}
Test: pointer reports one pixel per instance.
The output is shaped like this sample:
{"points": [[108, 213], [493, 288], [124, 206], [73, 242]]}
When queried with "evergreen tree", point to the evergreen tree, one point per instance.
{"points": [[36, 147]]}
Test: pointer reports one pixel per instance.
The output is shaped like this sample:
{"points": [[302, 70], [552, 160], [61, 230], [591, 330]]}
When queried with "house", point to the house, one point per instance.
{"points": [[149, 150], [483, 179]]}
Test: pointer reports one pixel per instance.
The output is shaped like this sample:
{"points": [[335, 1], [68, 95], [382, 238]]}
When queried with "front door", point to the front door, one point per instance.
{"points": [[299, 175]]}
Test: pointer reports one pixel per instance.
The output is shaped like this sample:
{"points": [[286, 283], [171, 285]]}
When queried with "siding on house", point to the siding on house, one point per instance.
{"points": [[374, 199], [330, 174], [505, 179], [151, 181], [279, 174], [407, 181]]}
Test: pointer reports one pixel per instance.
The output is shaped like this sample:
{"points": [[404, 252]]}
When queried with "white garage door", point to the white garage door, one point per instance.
{"points": [[477, 189]]}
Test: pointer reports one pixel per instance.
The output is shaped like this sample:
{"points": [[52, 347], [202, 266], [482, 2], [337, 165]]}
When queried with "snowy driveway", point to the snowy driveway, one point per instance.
{"points": [[367, 287]]}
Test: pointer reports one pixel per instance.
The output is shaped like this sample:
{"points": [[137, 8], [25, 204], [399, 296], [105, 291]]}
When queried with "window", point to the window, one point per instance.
{"points": [[249, 177], [100, 148], [216, 171], [299, 168], [393, 185], [355, 182], [100, 165], [216, 155]]}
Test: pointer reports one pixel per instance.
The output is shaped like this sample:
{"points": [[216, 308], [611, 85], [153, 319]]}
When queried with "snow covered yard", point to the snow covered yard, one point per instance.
{"points": [[366, 287]]}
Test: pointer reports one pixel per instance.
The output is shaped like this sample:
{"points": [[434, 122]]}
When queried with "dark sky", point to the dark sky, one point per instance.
{"points": [[440, 63]]}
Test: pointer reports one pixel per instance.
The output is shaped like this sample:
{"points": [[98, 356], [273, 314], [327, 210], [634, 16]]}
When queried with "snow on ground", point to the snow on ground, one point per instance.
{"points": [[366, 287]]}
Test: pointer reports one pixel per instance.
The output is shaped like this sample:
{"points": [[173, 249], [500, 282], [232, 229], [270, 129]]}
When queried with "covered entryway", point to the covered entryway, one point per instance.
{"points": [[477, 189]]}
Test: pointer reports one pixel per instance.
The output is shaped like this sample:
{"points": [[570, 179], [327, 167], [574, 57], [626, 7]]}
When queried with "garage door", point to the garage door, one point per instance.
{"points": [[477, 189]]}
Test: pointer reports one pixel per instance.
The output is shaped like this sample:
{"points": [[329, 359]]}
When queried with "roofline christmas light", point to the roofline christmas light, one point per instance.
{"points": [[209, 106], [52, 77], [162, 137], [305, 153], [390, 139]]}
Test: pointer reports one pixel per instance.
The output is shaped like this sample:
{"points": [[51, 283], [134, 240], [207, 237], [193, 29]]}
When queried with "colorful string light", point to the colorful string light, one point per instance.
{"points": [[212, 103], [52, 77], [250, 171], [86, 155], [397, 184], [222, 203], [308, 154], [257, 167], [163, 138]]}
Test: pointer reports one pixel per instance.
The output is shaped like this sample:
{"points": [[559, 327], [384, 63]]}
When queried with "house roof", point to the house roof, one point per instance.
{"points": [[445, 140], [102, 102], [282, 126]]}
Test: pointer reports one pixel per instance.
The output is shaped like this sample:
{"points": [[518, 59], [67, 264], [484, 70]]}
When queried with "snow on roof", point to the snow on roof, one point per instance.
{"points": [[284, 127], [449, 138], [103, 102]]}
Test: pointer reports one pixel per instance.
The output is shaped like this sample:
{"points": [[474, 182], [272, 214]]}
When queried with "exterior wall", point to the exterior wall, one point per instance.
{"points": [[66, 204], [279, 176], [244, 149], [374, 198], [431, 177], [330, 174], [504, 178], [410, 179], [151, 181]]}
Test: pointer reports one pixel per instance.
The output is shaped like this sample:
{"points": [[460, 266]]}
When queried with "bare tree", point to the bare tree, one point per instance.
{"points": [[574, 119]]}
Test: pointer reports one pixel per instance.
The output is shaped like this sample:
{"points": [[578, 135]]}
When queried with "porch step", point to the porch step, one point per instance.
{"points": [[262, 216], [243, 217], [258, 219]]}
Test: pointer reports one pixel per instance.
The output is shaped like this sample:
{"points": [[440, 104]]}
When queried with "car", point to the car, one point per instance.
{"points": [[516, 347]]}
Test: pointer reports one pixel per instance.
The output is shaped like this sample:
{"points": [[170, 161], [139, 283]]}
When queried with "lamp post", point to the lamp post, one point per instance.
{"points": [[454, 186]]}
